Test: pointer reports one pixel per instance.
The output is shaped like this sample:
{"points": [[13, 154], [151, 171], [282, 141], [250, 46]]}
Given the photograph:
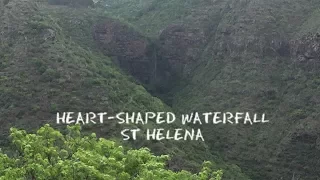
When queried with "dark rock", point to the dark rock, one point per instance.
{"points": [[283, 49], [306, 138], [181, 46], [49, 34], [306, 49], [130, 48]]}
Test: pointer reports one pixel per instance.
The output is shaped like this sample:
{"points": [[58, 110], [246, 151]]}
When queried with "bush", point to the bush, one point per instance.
{"points": [[50, 75], [50, 155]]}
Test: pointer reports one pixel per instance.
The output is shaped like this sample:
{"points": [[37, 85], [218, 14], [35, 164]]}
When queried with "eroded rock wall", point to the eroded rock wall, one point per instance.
{"points": [[129, 49]]}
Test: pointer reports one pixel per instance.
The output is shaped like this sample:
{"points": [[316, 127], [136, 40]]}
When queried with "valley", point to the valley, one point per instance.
{"points": [[177, 56]]}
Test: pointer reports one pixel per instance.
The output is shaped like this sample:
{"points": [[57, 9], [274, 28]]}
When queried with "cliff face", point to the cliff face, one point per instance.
{"points": [[306, 49], [171, 56], [181, 46], [130, 49]]}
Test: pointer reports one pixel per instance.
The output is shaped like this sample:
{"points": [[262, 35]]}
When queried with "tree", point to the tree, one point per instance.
{"points": [[50, 155]]}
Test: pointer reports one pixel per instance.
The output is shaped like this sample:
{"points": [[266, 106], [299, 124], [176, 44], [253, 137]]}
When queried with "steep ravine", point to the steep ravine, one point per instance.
{"points": [[223, 55], [159, 64]]}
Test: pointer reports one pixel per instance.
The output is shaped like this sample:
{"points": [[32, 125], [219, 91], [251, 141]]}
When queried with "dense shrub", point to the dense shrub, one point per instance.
{"points": [[48, 154]]}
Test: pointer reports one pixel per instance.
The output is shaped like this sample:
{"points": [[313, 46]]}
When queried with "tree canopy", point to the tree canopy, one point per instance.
{"points": [[48, 154]]}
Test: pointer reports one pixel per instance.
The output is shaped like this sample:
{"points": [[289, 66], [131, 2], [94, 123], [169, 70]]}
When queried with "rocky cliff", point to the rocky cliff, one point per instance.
{"points": [[130, 50], [306, 49], [181, 46]]}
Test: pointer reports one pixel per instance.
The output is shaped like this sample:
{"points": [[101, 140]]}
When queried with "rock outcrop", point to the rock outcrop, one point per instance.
{"points": [[181, 46], [130, 50], [175, 55], [306, 49]]}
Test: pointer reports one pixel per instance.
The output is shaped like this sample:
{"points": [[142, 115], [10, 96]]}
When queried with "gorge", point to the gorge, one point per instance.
{"points": [[175, 56]]}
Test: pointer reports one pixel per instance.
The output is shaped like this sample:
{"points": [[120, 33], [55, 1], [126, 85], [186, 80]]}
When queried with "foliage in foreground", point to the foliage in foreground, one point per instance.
{"points": [[48, 154]]}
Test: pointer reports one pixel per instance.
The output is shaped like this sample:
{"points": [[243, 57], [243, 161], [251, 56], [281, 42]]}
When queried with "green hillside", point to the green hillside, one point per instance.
{"points": [[50, 63], [224, 55]]}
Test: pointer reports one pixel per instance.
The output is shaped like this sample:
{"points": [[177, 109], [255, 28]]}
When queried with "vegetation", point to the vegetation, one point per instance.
{"points": [[48, 154], [49, 62]]}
